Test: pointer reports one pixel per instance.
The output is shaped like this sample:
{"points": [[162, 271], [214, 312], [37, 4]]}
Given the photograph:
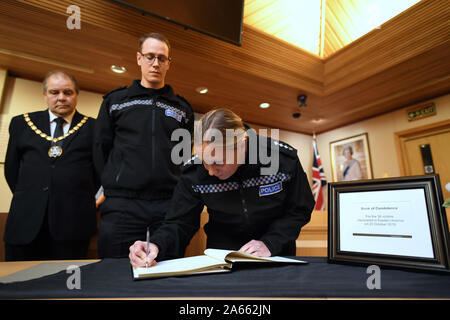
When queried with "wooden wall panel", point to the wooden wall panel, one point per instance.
{"points": [[416, 31], [404, 62]]}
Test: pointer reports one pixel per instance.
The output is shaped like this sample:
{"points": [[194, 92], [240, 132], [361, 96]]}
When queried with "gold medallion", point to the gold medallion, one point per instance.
{"points": [[55, 151]]}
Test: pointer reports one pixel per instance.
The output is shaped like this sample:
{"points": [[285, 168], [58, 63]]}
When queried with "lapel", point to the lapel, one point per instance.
{"points": [[42, 121], [77, 117]]}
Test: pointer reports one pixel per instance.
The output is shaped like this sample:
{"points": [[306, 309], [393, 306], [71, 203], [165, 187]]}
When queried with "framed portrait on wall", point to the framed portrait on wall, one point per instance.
{"points": [[350, 158]]}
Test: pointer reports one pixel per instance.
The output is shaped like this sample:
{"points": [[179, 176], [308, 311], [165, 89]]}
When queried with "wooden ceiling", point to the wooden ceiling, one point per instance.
{"points": [[403, 62]]}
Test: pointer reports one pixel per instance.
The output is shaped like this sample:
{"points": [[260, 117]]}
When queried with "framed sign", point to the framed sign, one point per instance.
{"points": [[394, 222], [350, 158], [420, 112]]}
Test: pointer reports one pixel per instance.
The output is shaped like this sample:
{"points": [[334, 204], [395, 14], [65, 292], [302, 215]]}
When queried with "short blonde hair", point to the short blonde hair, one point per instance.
{"points": [[220, 120]]}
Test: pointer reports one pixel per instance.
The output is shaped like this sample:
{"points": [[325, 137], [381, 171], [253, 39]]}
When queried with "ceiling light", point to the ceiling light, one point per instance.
{"points": [[264, 105], [202, 90], [118, 69]]}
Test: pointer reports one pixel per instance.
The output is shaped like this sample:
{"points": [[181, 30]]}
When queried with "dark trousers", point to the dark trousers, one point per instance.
{"points": [[123, 221], [44, 247]]}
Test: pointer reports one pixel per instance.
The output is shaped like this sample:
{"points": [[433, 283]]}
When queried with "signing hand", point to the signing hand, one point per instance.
{"points": [[256, 248], [138, 256]]}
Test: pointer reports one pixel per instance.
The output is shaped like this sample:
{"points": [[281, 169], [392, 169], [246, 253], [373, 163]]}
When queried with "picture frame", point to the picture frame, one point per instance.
{"points": [[390, 222], [350, 158]]}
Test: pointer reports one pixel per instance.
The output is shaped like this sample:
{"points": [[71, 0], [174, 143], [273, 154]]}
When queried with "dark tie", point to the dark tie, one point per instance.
{"points": [[59, 130]]}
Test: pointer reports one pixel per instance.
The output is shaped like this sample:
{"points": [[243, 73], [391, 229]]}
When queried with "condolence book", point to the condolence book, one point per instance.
{"points": [[213, 261]]}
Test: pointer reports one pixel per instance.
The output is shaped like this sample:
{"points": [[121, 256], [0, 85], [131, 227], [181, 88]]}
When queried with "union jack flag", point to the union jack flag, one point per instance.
{"points": [[319, 179]]}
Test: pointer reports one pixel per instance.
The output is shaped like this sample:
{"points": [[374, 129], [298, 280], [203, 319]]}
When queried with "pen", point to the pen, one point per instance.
{"points": [[148, 245]]}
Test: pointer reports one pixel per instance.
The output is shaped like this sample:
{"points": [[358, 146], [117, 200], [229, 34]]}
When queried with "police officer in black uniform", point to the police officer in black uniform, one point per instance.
{"points": [[260, 214], [132, 150]]}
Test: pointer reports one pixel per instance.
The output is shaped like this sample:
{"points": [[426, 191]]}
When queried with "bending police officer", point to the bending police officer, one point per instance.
{"points": [[260, 214]]}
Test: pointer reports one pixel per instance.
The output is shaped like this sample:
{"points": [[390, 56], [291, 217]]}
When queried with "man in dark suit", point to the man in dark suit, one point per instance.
{"points": [[49, 170]]}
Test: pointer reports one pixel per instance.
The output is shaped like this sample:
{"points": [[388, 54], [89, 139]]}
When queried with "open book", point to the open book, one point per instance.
{"points": [[213, 261]]}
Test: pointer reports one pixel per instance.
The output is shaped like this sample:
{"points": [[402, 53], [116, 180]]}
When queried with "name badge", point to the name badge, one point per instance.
{"points": [[270, 189], [173, 114]]}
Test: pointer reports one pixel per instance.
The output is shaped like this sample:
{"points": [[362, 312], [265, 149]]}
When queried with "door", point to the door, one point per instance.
{"points": [[439, 145], [415, 144]]}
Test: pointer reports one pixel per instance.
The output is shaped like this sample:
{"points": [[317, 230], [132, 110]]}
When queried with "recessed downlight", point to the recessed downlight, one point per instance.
{"points": [[202, 90], [118, 69], [317, 120], [264, 105]]}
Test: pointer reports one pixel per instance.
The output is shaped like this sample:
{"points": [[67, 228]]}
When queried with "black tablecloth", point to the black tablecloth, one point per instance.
{"points": [[112, 278]]}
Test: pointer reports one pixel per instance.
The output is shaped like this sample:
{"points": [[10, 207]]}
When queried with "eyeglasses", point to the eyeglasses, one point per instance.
{"points": [[150, 58]]}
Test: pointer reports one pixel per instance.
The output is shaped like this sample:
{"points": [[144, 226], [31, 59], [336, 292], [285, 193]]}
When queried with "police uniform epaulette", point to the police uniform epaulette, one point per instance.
{"points": [[183, 99], [285, 148], [115, 90]]}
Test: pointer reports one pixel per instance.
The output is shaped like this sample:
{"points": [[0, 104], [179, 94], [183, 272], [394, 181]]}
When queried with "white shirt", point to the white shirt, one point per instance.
{"points": [[66, 125]]}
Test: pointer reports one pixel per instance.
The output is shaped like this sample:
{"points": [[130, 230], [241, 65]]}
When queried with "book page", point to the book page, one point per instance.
{"points": [[180, 266], [219, 254], [236, 256], [285, 260]]}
